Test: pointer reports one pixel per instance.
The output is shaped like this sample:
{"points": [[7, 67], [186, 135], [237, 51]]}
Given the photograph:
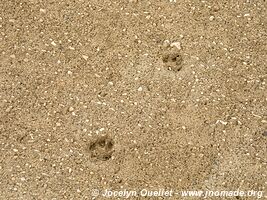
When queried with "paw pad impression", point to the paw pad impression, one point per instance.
{"points": [[101, 148]]}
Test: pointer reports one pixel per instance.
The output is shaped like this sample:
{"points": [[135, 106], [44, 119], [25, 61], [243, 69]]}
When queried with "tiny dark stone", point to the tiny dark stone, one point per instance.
{"points": [[264, 133], [106, 157]]}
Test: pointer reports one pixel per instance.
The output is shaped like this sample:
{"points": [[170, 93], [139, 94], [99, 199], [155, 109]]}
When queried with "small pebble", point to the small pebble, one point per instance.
{"points": [[216, 8], [140, 89], [85, 57], [166, 43], [53, 43], [176, 44], [43, 10], [212, 18]]}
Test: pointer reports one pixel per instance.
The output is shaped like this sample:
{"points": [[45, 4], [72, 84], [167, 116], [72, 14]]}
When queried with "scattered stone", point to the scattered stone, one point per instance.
{"points": [[166, 43], [53, 43], [110, 83], [9, 109], [71, 109], [140, 89], [43, 10], [211, 18], [177, 45], [215, 8], [264, 133], [85, 57]]}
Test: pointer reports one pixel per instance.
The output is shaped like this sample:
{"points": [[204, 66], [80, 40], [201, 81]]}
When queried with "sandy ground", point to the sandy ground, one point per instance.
{"points": [[132, 95]]}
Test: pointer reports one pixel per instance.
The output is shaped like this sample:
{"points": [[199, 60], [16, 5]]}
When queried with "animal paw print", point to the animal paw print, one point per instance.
{"points": [[101, 148], [172, 61]]}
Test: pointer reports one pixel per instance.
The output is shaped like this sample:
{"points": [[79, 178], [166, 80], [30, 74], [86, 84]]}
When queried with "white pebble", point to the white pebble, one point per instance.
{"points": [[85, 57], [53, 43], [166, 43], [140, 89], [212, 18], [43, 10], [176, 44]]}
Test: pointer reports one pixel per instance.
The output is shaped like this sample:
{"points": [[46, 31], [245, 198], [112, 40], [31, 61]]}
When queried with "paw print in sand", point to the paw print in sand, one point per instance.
{"points": [[172, 61], [171, 56], [101, 148]]}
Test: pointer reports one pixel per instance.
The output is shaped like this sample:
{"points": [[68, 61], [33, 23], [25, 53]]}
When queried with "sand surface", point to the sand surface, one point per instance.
{"points": [[132, 95]]}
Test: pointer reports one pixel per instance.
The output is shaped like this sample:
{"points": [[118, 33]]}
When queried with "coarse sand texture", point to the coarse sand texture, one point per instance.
{"points": [[133, 99]]}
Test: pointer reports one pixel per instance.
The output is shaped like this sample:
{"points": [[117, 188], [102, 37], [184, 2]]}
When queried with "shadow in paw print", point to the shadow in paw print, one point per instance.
{"points": [[101, 148], [172, 61]]}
